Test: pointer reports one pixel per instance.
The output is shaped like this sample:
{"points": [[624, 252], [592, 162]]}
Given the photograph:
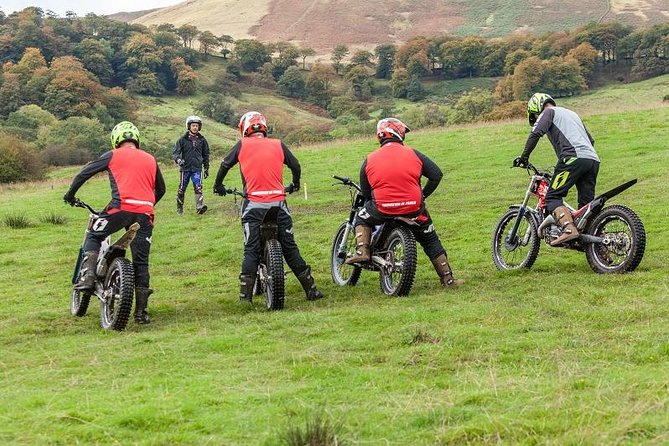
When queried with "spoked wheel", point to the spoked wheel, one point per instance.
{"points": [[343, 274], [271, 275], [80, 299], [522, 250], [624, 241], [400, 254], [118, 291]]}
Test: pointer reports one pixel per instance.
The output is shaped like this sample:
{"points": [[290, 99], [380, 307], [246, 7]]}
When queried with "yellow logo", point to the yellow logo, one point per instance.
{"points": [[560, 180]]}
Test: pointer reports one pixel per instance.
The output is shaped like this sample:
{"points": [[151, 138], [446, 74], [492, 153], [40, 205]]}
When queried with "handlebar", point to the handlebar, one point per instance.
{"points": [[235, 192], [346, 182], [80, 204], [532, 168]]}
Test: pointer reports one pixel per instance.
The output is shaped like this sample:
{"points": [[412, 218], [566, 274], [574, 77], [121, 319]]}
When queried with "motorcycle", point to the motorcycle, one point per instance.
{"points": [[114, 277], [270, 278], [613, 237], [392, 248]]}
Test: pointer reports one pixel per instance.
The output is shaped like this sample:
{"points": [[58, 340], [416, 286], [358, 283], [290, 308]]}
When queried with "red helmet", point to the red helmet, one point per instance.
{"points": [[388, 128], [252, 122]]}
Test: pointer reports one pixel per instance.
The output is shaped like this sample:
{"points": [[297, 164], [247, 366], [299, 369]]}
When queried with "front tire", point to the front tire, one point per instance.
{"points": [[626, 237], [272, 277], [119, 292], [521, 252], [79, 300], [400, 253], [343, 274]]}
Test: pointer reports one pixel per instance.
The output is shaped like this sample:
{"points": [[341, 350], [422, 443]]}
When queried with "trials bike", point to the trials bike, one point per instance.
{"points": [[114, 277], [270, 278], [613, 237], [392, 249]]}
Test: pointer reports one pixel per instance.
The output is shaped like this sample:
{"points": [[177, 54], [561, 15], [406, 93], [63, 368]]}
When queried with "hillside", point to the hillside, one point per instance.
{"points": [[367, 23], [556, 355]]}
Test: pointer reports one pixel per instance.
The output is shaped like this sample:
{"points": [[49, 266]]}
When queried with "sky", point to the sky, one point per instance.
{"points": [[83, 7]]}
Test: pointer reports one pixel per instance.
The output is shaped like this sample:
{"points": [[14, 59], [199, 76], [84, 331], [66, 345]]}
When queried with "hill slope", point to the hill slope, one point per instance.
{"points": [[322, 24]]}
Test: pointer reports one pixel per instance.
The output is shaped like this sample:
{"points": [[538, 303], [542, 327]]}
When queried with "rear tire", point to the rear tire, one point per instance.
{"points": [[400, 252], [343, 274], [119, 290], [519, 253], [79, 300], [624, 230], [274, 279]]}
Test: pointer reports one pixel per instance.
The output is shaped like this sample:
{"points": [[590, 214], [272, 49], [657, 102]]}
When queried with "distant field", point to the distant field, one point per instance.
{"points": [[555, 355]]}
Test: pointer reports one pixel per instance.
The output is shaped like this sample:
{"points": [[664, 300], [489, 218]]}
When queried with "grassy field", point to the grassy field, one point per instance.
{"points": [[555, 355]]}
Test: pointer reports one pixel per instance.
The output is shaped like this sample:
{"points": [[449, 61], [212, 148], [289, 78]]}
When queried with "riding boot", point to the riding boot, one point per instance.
{"points": [[246, 288], [87, 272], [445, 272], [141, 302], [363, 236], [308, 284], [200, 207], [180, 204], [563, 217]]}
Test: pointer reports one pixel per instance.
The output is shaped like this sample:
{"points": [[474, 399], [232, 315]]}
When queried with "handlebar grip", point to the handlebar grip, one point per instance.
{"points": [[342, 179]]}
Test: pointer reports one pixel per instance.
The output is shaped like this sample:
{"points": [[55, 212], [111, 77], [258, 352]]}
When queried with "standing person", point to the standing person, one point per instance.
{"points": [[261, 161], [191, 153], [136, 186], [390, 183], [578, 163]]}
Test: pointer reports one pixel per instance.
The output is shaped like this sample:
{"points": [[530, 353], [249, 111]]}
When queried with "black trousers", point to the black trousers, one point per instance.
{"points": [[253, 214], [140, 247], [424, 232], [581, 172]]}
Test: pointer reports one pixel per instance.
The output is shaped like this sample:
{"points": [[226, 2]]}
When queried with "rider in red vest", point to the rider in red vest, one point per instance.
{"points": [[137, 185], [390, 182], [261, 162]]}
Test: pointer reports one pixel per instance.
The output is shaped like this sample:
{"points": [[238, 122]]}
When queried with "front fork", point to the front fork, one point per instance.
{"points": [[341, 249], [511, 240]]}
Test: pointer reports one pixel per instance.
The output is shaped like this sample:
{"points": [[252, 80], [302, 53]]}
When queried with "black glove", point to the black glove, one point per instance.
{"points": [[206, 173], [292, 187], [521, 161], [69, 199], [219, 189]]}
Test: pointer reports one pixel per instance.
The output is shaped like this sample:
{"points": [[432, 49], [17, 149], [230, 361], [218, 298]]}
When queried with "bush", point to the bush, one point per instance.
{"points": [[54, 219], [508, 110], [217, 107], [18, 161], [65, 155], [319, 431]]}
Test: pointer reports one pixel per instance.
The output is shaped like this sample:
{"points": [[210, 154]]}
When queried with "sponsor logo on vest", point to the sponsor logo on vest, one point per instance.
{"points": [[399, 203]]}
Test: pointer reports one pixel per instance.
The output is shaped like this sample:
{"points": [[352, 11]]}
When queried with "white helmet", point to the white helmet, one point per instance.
{"points": [[194, 120]]}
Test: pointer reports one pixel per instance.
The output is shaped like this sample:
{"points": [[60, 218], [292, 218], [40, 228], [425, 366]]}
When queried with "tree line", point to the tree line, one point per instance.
{"points": [[63, 77]]}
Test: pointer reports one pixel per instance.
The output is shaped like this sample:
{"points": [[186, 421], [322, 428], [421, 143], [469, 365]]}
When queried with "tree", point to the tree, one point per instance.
{"points": [[338, 54], [251, 54], [385, 55], [361, 83], [292, 83], [77, 131], [287, 55], [73, 90], [217, 107], [188, 33], [185, 75], [30, 116], [415, 90], [362, 58], [399, 83], [208, 42], [305, 52], [225, 41], [527, 77], [586, 56], [319, 83], [96, 55]]}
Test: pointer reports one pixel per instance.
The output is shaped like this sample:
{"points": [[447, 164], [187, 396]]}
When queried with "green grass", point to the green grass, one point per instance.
{"points": [[555, 355]]}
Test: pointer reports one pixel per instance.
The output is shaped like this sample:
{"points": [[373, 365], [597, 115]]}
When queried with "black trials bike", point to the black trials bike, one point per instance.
{"points": [[392, 248], [270, 278], [612, 237], [114, 278]]}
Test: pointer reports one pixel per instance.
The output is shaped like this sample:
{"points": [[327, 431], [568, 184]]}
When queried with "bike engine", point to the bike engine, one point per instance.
{"points": [[551, 233]]}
